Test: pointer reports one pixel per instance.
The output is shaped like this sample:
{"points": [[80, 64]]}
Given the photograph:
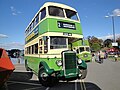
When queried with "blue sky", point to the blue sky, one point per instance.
{"points": [[15, 15]]}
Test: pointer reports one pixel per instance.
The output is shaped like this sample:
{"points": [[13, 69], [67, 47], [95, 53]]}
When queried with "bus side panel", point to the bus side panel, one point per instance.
{"points": [[50, 25], [33, 63], [53, 26], [43, 27]]}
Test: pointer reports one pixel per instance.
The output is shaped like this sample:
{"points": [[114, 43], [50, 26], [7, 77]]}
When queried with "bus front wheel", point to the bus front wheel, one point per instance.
{"points": [[44, 78]]}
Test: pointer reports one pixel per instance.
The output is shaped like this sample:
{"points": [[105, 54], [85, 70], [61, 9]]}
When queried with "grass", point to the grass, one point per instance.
{"points": [[112, 57]]}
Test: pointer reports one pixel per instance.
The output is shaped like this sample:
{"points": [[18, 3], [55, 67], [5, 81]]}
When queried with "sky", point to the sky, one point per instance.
{"points": [[95, 16]]}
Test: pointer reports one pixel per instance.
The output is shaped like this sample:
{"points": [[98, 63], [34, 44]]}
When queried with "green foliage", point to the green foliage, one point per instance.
{"points": [[108, 43], [95, 47], [96, 44]]}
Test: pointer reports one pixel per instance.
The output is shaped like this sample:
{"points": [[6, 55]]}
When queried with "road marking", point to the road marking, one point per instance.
{"points": [[47, 88], [82, 84], [76, 84], [24, 83], [33, 88]]}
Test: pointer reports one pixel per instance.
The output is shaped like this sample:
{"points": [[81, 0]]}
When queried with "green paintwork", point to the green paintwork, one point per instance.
{"points": [[83, 65], [51, 66], [34, 62], [71, 72], [80, 43], [47, 69], [50, 25], [82, 56]]}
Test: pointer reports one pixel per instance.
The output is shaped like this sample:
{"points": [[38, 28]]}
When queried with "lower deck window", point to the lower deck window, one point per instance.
{"points": [[58, 42], [36, 48]]}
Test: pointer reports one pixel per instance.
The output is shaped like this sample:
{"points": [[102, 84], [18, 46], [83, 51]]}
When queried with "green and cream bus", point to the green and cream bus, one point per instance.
{"points": [[83, 50], [48, 44]]}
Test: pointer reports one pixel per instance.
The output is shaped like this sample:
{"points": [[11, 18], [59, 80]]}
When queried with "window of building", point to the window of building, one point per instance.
{"points": [[55, 11], [43, 13], [71, 14]]}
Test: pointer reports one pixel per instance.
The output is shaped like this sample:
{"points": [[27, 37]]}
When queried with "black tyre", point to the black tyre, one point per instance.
{"points": [[84, 73], [45, 79]]}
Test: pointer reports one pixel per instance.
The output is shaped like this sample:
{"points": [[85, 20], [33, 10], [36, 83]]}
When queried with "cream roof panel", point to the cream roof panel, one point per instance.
{"points": [[58, 5]]}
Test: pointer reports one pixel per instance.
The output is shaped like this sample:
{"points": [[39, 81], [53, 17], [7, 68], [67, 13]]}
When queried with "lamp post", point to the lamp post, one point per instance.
{"points": [[113, 26], [114, 39]]}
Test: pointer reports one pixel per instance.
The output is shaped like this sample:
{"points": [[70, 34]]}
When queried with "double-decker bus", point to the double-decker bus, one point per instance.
{"points": [[48, 44], [82, 49]]}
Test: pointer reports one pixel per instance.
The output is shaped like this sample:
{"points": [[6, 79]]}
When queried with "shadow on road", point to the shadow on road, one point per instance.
{"points": [[72, 86], [22, 81], [21, 76]]}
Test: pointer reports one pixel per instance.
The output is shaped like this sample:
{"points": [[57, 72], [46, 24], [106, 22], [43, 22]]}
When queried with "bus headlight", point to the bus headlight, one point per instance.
{"points": [[59, 62], [79, 61]]}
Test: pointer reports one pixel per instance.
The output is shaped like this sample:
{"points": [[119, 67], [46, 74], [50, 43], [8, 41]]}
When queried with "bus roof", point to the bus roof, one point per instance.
{"points": [[58, 5], [51, 4]]}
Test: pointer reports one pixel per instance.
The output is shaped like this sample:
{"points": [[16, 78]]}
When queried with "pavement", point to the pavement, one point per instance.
{"points": [[105, 76]]}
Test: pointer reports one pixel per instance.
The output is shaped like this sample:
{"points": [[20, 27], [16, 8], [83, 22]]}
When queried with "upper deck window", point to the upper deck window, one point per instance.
{"points": [[71, 14], [43, 13], [55, 11]]}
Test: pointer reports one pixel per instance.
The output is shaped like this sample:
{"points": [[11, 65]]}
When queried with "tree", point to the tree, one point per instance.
{"points": [[95, 47], [93, 40], [107, 43], [118, 40]]}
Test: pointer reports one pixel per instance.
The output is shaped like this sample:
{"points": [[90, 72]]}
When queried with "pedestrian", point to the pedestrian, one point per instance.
{"points": [[101, 56], [97, 56], [93, 57], [116, 57]]}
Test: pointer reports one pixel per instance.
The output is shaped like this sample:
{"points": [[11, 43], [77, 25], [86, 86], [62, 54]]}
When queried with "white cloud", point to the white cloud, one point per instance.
{"points": [[15, 11], [109, 36], [12, 45], [14, 14], [12, 8], [3, 36], [116, 12]]}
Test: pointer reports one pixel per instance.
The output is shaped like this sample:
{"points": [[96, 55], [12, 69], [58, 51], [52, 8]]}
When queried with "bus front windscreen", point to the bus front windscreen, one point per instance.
{"points": [[58, 42], [71, 14], [81, 49], [55, 11], [88, 49]]}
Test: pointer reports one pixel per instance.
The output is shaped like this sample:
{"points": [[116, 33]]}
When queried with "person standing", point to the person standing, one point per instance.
{"points": [[116, 56]]}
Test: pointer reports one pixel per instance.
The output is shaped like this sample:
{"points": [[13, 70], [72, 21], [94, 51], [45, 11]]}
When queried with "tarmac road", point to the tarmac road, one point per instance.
{"points": [[105, 76]]}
